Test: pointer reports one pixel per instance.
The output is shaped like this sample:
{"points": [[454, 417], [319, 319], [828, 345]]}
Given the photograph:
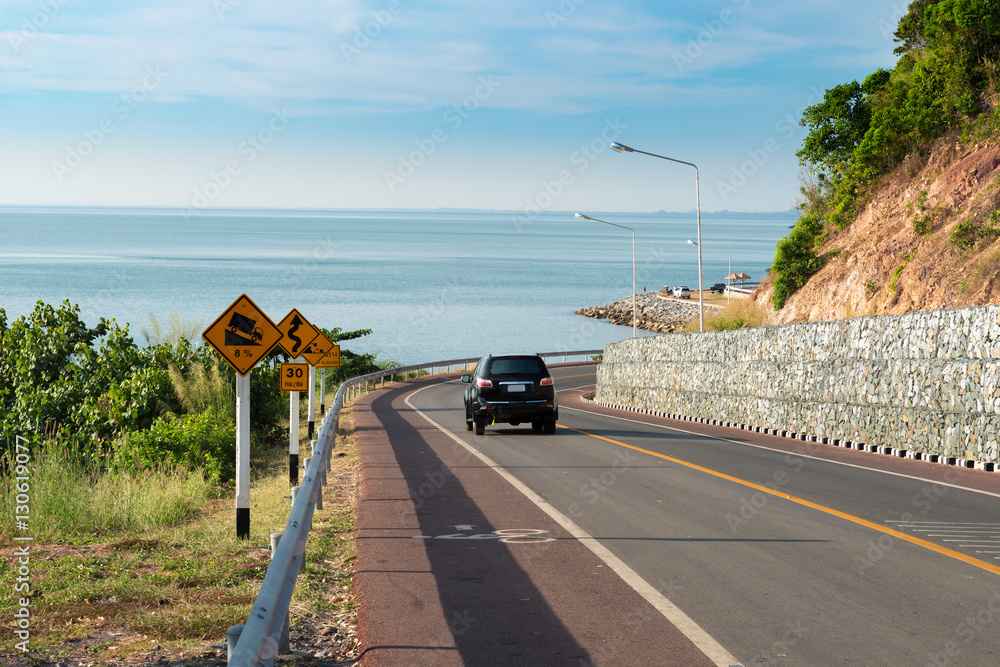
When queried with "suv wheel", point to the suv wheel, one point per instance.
{"points": [[468, 421], [536, 425], [549, 426], [480, 428]]}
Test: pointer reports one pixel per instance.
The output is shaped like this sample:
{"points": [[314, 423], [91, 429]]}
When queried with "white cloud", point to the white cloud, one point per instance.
{"points": [[344, 55]]}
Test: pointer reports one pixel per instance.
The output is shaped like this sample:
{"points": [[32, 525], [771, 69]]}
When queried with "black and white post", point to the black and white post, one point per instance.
{"points": [[243, 456], [322, 392], [293, 437], [312, 401]]}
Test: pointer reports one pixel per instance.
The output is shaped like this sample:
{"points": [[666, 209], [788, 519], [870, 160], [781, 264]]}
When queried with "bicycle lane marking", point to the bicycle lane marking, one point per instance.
{"points": [[684, 623]]}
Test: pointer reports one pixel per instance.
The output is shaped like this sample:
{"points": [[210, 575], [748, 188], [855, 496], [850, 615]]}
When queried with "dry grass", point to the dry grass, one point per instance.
{"points": [[738, 314]]}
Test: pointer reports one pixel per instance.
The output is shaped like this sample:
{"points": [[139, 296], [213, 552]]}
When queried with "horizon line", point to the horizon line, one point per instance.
{"points": [[210, 210]]}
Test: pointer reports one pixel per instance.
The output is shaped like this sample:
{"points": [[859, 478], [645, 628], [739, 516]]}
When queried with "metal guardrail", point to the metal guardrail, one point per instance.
{"points": [[354, 384], [258, 641]]}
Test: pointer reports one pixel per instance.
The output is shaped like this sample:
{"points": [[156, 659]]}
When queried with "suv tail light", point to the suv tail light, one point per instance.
{"points": [[483, 382], [546, 382]]}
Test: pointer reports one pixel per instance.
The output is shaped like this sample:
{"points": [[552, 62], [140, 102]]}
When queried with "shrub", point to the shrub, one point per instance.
{"points": [[922, 224], [201, 440], [795, 259], [965, 234]]}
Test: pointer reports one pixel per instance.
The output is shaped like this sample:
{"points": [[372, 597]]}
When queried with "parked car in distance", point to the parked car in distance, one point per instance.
{"points": [[682, 292], [511, 389], [719, 288]]}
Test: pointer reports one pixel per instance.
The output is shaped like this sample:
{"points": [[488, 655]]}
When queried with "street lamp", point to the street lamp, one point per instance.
{"points": [[581, 216], [697, 193], [730, 262]]}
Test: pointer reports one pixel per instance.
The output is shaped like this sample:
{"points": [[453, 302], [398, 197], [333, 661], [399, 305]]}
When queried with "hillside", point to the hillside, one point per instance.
{"points": [[881, 264], [900, 177]]}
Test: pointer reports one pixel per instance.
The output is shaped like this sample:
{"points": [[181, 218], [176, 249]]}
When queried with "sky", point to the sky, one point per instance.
{"points": [[509, 105]]}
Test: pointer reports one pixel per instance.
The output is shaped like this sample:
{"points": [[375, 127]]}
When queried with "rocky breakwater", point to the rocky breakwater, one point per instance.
{"points": [[652, 312]]}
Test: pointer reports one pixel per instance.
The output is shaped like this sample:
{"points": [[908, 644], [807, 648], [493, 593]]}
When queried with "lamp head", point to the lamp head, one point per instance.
{"points": [[691, 242], [583, 217], [621, 148]]}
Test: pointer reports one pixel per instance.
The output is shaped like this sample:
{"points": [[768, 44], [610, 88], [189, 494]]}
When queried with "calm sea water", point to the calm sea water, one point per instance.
{"points": [[430, 284]]}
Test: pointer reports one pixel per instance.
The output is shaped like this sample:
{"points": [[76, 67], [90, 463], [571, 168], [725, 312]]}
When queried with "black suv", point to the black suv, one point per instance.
{"points": [[511, 389], [718, 287]]}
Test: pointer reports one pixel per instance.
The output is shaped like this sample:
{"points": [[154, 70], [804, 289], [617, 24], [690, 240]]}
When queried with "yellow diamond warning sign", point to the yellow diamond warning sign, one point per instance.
{"points": [[243, 335], [317, 349], [297, 332]]}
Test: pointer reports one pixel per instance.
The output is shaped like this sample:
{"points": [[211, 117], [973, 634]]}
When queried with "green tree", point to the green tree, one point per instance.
{"points": [[61, 376]]}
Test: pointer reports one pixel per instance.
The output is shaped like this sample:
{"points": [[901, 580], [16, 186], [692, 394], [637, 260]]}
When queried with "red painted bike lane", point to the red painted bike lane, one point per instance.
{"points": [[457, 567]]}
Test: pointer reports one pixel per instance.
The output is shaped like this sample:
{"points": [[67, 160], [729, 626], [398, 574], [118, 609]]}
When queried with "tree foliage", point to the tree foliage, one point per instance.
{"points": [[58, 375]]}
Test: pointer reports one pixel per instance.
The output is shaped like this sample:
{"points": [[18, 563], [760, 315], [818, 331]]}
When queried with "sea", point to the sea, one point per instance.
{"points": [[430, 284]]}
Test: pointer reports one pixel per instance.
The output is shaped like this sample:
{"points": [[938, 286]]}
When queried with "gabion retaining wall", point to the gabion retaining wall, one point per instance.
{"points": [[924, 382]]}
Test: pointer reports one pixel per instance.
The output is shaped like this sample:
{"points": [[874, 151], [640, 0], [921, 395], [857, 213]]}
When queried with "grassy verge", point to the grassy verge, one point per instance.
{"points": [[738, 314], [160, 573]]}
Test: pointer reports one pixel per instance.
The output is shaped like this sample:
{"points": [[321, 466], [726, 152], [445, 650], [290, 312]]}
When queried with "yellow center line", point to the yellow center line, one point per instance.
{"points": [[566, 377], [989, 567]]}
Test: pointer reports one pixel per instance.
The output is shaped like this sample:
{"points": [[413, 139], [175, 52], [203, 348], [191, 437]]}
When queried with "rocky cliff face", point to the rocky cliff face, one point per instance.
{"points": [[898, 255]]}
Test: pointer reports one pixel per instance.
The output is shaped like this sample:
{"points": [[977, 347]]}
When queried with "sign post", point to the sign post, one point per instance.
{"points": [[243, 456], [330, 360], [243, 335], [322, 392], [293, 379], [293, 439], [312, 400], [297, 334]]}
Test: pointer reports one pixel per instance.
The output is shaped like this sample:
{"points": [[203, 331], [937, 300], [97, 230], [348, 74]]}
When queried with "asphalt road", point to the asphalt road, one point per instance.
{"points": [[761, 550]]}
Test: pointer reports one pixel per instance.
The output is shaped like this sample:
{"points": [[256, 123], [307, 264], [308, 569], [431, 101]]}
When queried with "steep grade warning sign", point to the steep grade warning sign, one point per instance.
{"points": [[243, 334]]}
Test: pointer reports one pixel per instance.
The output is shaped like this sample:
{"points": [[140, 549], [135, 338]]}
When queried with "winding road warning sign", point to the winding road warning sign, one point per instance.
{"points": [[297, 333]]}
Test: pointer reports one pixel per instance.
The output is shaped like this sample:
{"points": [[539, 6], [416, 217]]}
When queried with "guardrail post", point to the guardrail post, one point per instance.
{"points": [[321, 472], [233, 635], [284, 642]]}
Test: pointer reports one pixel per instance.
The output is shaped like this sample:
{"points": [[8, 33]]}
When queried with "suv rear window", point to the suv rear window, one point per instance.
{"points": [[515, 366]]}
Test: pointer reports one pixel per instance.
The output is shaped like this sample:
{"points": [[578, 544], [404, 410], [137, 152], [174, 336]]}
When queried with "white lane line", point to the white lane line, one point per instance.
{"points": [[694, 632], [782, 451], [946, 524]]}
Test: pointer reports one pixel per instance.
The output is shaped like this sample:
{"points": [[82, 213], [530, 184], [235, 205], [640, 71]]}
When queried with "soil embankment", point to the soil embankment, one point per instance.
{"points": [[901, 254]]}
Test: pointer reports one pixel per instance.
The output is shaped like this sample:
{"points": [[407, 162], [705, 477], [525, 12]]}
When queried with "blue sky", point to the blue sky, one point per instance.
{"points": [[200, 104]]}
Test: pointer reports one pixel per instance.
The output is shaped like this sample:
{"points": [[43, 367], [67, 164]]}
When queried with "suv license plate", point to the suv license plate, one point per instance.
{"points": [[513, 388]]}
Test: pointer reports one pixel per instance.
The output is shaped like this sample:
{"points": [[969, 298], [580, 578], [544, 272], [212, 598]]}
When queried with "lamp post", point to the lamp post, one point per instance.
{"points": [[621, 148], [724, 253], [581, 216]]}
